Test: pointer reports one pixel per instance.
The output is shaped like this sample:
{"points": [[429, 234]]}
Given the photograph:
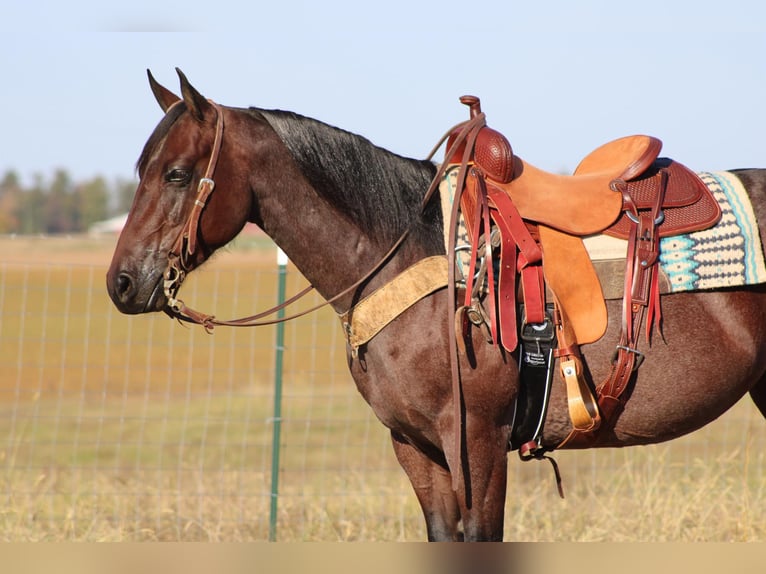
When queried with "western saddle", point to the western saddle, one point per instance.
{"points": [[538, 220]]}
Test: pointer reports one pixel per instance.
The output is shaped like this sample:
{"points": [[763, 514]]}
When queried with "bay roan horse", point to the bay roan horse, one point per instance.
{"points": [[336, 204]]}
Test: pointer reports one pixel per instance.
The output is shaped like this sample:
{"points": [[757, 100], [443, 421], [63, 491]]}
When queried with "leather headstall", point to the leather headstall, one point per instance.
{"points": [[185, 244]]}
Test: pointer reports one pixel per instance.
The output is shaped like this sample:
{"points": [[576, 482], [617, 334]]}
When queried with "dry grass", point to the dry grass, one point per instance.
{"points": [[137, 429], [645, 494], [652, 496]]}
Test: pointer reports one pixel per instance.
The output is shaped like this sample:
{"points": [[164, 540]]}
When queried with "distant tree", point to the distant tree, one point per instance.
{"points": [[10, 199], [59, 207], [92, 203], [10, 181], [30, 210]]}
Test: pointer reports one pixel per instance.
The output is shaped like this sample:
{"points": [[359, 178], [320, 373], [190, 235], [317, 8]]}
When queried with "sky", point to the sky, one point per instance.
{"points": [[557, 78]]}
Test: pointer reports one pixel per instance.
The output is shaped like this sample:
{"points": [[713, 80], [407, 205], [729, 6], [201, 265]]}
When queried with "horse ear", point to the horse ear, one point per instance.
{"points": [[165, 98], [196, 103]]}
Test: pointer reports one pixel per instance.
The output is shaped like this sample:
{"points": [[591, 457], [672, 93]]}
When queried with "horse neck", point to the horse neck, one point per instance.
{"points": [[327, 249], [326, 246]]}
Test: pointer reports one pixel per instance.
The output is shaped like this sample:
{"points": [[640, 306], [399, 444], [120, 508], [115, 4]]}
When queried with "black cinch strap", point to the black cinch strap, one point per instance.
{"points": [[536, 345]]}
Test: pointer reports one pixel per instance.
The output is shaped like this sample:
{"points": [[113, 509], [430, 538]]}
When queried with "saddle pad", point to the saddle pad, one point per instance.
{"points": [[728, 254], [447, 190]]}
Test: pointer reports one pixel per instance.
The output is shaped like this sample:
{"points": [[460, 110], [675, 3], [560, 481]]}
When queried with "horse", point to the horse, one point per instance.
{"points": [[349, 215]]}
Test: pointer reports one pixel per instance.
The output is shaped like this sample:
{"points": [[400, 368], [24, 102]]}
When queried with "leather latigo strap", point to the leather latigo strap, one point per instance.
{"points": [[519, 251], [529, 261], [641, 296]]}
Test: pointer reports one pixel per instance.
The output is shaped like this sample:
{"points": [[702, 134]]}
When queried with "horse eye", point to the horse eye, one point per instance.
{"points": [[178, 175]]}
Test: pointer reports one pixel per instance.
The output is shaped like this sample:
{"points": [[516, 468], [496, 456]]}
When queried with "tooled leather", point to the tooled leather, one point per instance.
{"points": [[493, 154], [684, 187], [688, 204]]}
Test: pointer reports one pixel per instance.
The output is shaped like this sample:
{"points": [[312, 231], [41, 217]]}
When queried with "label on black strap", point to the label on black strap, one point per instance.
{"points": [[536, 345]]}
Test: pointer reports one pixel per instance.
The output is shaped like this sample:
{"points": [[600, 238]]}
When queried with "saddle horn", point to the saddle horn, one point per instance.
{"points": [[492, 152]]}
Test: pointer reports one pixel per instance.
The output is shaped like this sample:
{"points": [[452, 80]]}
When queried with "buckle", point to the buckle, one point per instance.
{"points": [[639, 355], [474, 314], [538, 332], [206, 181], [531, 450], [537, 341]]}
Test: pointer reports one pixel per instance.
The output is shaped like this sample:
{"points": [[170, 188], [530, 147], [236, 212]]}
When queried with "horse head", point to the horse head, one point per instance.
{"points": [[176, 221]]}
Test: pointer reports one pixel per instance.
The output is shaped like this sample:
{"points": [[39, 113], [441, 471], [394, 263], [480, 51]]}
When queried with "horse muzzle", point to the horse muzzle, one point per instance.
{"points": [[134, 295]]}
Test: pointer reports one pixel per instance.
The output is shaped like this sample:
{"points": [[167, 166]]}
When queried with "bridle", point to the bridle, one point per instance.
{"points": [[185, 245]]}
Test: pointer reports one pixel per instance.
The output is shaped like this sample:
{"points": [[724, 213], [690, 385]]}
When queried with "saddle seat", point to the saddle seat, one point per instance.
{"points": [[584, 203]]}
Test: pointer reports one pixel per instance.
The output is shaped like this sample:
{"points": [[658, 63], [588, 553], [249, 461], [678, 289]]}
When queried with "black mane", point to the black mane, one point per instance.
{"points": [[379, 190]]}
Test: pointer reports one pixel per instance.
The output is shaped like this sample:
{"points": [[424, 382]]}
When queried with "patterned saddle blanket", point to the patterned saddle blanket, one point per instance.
{"points": [[729, 254]]}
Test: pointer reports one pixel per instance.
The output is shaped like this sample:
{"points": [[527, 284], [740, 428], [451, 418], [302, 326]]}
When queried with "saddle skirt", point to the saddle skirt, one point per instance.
{"points": [[728, 254]]}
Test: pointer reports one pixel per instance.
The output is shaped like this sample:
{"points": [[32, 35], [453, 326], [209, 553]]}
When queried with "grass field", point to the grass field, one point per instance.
{"points": [[138, 428]]}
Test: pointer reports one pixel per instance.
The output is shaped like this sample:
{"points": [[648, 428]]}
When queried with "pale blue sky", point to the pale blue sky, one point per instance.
{"points": [[558, 78]]}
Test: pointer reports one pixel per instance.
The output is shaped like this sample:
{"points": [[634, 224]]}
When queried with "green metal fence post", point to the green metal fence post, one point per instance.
{"points": [[277, 418]]}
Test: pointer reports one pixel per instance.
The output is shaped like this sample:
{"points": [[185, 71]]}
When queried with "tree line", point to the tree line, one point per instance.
{"points": [[60, 205]]}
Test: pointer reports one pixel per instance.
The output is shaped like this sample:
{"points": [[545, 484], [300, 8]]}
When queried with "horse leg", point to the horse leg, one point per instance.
{"points": [[480, 500], [433, 487], [484, 493]]}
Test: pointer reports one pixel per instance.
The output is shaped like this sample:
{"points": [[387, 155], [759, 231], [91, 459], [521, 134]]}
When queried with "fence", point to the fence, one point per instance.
{"points": [[142, 426], [139, 428]]}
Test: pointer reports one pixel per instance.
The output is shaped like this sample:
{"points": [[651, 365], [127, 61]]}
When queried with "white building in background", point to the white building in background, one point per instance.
{"points": [[110, 226]]}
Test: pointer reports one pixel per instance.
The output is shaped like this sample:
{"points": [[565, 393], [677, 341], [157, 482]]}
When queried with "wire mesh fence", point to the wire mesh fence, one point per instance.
{"points": [[139, 428]]}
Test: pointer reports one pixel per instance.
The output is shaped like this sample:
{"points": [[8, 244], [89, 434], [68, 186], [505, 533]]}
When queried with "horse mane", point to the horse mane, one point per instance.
{"points": [[379, 190]]}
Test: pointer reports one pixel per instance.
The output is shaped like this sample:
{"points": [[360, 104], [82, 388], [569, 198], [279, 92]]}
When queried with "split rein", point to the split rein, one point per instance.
{"points": [[185, 245]]}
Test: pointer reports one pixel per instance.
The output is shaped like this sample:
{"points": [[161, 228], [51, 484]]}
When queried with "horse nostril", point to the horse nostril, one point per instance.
{"points": [[124, 286]]}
